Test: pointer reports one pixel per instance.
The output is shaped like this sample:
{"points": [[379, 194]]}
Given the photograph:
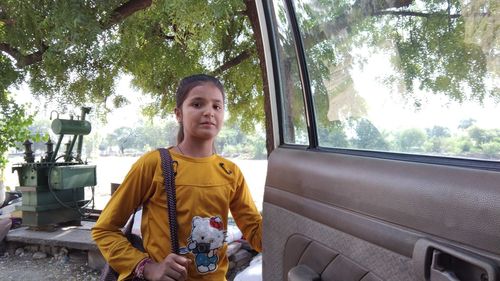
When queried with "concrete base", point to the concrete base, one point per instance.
{"points": [[72, 237]]}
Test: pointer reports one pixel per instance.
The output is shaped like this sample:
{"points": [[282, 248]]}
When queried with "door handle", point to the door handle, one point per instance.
{"points": [[438, 271], [438, 262]]}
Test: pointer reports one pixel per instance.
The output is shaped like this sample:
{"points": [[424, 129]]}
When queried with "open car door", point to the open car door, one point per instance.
{"points": [[386, 119]]}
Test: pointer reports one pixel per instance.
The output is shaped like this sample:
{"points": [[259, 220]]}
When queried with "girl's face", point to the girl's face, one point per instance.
{"points": [[202, 112]]}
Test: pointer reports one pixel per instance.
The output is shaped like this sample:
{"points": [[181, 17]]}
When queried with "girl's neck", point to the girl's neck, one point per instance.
{"points": [[196, 149]]}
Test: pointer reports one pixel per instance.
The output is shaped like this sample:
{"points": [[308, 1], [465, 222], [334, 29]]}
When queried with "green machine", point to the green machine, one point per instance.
{"points": [[53, 189]]}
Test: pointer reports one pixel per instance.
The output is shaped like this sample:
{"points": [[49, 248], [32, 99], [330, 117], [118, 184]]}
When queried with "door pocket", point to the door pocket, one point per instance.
{"points": [[309, 260]]}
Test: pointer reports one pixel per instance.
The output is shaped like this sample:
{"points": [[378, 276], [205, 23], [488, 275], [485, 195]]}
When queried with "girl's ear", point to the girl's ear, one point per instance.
{"points": [[178, 115]]}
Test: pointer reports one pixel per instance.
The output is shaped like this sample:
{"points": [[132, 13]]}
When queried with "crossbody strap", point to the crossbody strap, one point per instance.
{"points": [[129, 225], [169, 183]]}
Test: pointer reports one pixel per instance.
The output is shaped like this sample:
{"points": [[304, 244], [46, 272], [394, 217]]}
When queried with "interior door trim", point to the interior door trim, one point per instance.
{"points": [[456, 204], [376, 232]]}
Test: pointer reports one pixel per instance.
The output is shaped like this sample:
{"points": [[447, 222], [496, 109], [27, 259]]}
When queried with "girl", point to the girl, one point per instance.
{"points": [[207, 187]]}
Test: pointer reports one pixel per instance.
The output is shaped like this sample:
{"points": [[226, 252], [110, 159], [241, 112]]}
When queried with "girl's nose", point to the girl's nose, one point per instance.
{"points": [[209, 112]]}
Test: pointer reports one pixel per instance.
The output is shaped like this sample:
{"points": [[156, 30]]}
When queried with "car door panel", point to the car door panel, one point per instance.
{"points": [[383, 263], [372, 212], [338, 210]]}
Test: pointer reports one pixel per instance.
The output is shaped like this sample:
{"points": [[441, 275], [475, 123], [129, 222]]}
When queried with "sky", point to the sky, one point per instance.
{"points": [[389, 110], [127, 115]]}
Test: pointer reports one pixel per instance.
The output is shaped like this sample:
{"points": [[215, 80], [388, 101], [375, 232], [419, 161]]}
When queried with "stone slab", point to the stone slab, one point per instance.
{"points": [[72, 237]]}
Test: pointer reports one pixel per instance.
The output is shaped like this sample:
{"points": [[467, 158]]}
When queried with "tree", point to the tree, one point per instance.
{"points": [[13, 129], [431, 52], [333, 135], [411, 140], [148, 135], [491, 150], [438, 132], [151, 136], [367, 136], [41, 129], [123, 138], [73, 51], [478, 135], [232, 142], [466, 123]]}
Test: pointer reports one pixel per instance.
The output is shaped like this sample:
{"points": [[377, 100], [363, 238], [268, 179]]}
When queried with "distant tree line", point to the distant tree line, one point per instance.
{"points": [[468, 140], [148, 135]]}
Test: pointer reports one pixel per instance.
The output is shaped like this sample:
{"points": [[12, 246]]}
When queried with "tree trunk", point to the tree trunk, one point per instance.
{"points": [[251, 11]]}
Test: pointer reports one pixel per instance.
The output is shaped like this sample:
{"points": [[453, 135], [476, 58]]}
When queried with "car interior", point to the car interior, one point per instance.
{"points": [[364, 182]]}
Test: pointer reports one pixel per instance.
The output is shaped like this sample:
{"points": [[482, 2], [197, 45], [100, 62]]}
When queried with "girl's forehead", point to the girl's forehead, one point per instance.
{"points": [[205, 91]]}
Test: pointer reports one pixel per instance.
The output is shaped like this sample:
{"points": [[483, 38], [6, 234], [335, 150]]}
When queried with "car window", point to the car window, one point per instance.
{"points": [[423, 79], [293, 123]]}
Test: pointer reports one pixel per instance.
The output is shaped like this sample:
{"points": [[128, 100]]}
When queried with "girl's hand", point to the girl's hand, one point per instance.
{"points": [[172, 268]]}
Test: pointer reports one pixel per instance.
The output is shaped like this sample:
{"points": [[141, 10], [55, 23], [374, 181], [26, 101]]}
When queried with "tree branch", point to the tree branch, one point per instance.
{"points": [[402, 3], [23, 60], [126, 10], [117, 15], [13, 52], [414, 14], [233, 62], [369, 7], [158, 31], [8, 21]]}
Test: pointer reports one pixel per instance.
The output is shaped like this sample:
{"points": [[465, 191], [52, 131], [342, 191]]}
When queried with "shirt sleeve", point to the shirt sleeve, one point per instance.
{"points": [[133, 191], [245, 213]]}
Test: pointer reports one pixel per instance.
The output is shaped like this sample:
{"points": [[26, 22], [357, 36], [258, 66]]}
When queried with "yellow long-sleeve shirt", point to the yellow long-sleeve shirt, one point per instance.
{"points": [[206, 188]]}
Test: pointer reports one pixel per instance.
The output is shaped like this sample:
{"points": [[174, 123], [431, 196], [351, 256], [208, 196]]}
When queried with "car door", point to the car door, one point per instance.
{"points": [[387, 148]]}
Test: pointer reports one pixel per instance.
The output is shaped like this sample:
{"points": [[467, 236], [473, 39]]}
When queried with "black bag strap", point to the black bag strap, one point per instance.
{"points": [[169, 182]]}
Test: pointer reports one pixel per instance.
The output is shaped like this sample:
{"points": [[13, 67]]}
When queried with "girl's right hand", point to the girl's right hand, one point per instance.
{"points": [[172, 268]]}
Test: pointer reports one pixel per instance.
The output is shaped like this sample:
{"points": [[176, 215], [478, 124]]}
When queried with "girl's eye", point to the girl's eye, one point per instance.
{"points": [[218, 107], [196, 104]]}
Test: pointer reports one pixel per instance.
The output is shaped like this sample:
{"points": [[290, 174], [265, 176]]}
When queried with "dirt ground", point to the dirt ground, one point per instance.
{"points": [[20, 262], [25, 268]]}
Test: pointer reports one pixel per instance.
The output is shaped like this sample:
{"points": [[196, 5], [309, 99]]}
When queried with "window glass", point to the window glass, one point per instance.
{"points": [[294, 122], [405, 76]]}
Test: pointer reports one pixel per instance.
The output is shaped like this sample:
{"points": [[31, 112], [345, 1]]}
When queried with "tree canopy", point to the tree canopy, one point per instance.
{"points": [[73, 51], [13, 126]]}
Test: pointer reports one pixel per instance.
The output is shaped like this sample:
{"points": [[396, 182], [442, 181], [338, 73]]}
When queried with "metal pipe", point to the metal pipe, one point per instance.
{"points": [[85, 110], [57, 148], [67, 158]]}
